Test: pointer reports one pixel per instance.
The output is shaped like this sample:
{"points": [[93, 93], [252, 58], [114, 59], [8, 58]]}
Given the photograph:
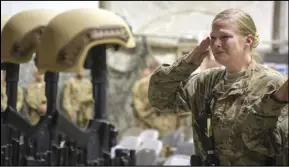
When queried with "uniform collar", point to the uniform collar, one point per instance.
{"points": [[241, 84]]}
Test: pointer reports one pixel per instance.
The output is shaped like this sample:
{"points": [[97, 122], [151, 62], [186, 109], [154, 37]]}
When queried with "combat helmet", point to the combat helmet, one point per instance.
{"points": [[21, 34], [4, 19], [70, 35]]}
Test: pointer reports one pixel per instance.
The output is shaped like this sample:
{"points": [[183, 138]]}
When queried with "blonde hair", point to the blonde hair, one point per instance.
{"points": [[244, 21]]}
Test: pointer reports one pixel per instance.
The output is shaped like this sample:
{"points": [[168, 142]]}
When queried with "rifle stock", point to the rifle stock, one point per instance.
{"points": [[205, 133], [18, 122], [68, 128]]}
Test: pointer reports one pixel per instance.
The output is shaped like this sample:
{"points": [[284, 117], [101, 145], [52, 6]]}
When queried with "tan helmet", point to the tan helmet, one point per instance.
{"points": [[70, 35], [21, 34], [4, 19]]}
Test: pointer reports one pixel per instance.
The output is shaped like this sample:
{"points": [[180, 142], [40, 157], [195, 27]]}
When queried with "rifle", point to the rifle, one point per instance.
{"points": [[89, 146], [205, 133], [55, 140], [12, 123], [124, 157]]}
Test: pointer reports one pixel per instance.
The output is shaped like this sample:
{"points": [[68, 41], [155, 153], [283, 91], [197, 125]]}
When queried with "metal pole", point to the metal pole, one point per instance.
{"points": [[276, 25]]}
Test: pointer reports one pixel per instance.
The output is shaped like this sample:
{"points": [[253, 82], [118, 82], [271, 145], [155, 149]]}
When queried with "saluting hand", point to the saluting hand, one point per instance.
{"points": [[197, 55]]}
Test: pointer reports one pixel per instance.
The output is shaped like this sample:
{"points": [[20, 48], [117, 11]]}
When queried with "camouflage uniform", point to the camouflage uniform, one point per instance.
{"points": [[20, 98], [3, 98], [281, 134], [35, 97], [147, 117], [244, 115], [77, 100]]}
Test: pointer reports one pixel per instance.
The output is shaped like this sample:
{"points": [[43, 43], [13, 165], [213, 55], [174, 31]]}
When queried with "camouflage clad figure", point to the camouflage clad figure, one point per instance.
{"points": [[77, 100], [146, 117], [281, 133], [20, 95], [35, 98], [247, 97], [3, 95]]}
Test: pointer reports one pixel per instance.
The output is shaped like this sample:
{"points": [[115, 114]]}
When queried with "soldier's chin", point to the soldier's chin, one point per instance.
{"points": [[222, 60]]}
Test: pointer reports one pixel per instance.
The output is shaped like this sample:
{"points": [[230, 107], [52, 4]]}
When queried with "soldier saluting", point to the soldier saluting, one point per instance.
{"points": [[248, 97]]}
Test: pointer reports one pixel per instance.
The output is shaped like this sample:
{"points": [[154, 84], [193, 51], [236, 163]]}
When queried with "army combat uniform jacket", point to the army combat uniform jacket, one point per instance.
{"points": [[281, 134], [77, 101], [244, 114], [148, 118], [3, 99], [35, 97], [20, 98]]}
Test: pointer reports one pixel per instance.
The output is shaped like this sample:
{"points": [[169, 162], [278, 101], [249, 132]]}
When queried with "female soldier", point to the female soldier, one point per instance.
{"points": [[247, 97]]}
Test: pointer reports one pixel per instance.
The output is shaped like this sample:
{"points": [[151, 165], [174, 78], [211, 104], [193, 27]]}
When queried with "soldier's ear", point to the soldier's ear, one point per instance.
{"points": [[249, 40]]}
